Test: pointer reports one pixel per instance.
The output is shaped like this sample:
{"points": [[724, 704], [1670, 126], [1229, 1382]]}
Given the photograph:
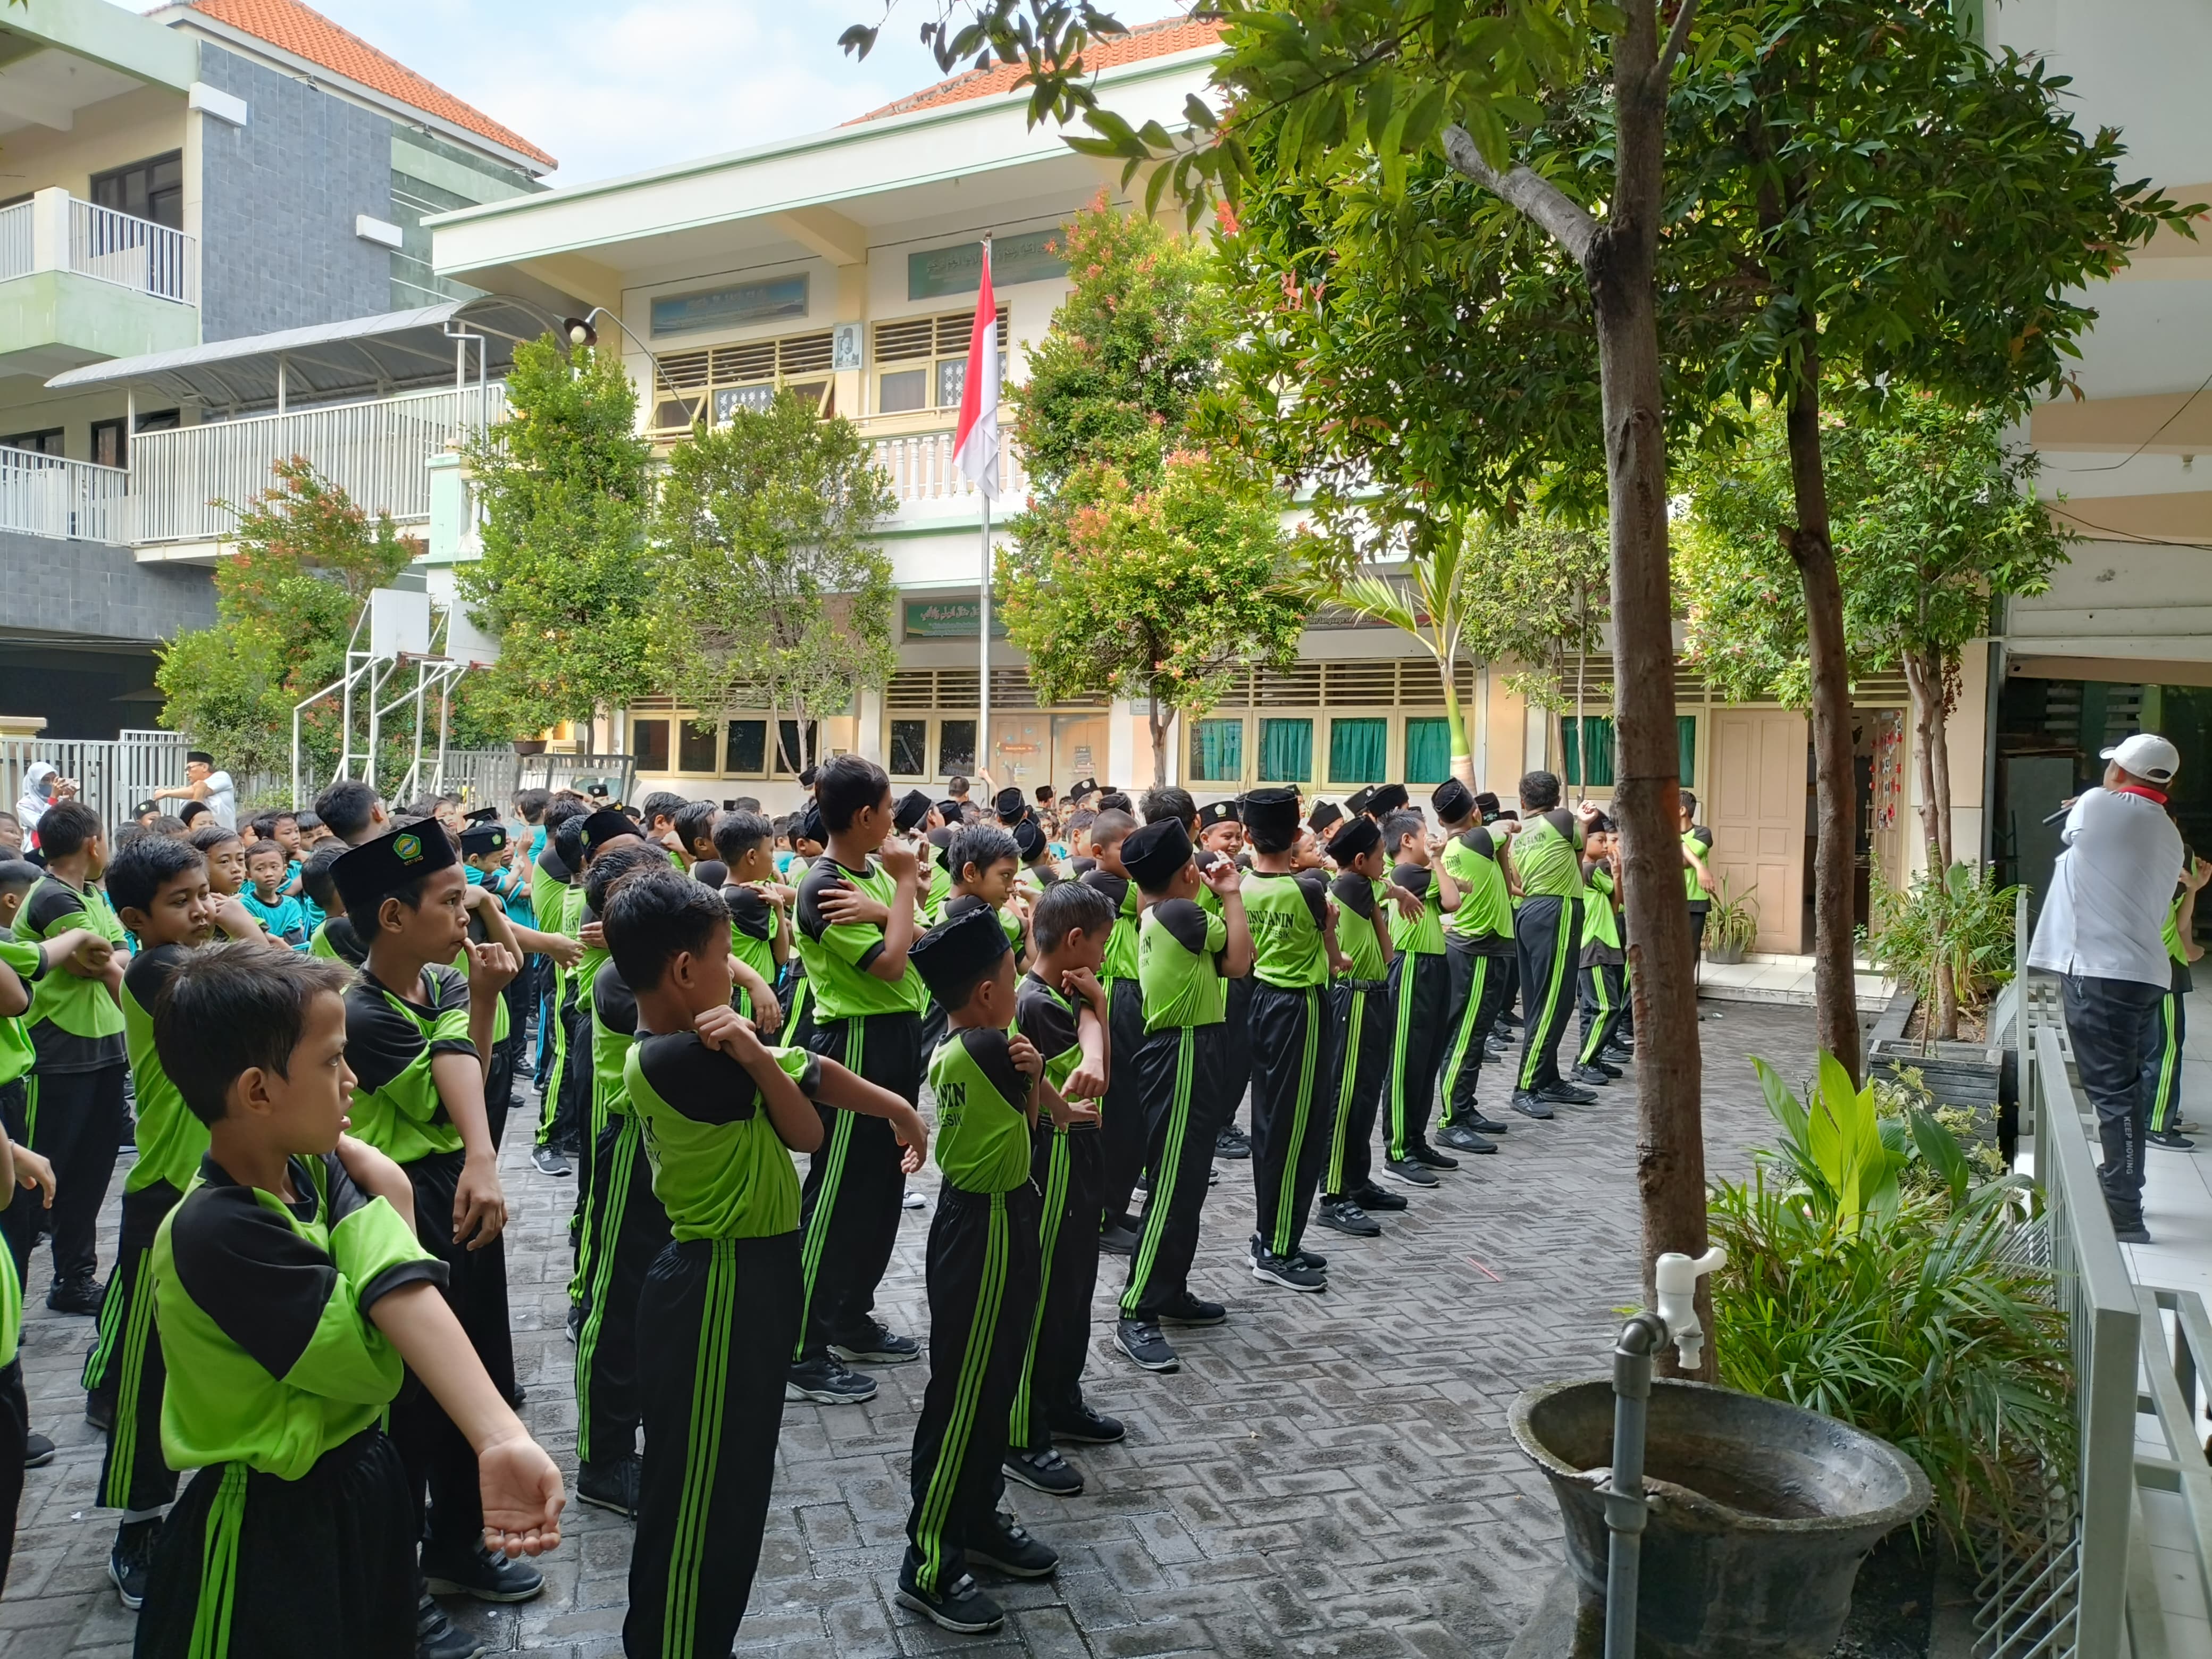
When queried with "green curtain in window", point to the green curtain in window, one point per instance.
{"points": [[1597, 735], [1357, 750], [1285, 751], [1428, 750], [1217, 751], [1686, 745]]}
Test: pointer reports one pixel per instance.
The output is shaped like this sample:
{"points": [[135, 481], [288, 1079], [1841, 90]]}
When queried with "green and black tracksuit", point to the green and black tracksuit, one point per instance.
{"points": [[1236, 1019], [1604, 977], [1179, 949], [626, 1230], [873, 1026], [1360, 1010], [1420, 987], [297, 1527], [793, 991], [717, 1318], [1547, 857], [752, 935], [561, 1122], [14, 1408], [982, 1270], [1066, 1167], [1698, 839], [1122, 1114], [20, 1224], [579, 1078], [75, 1112], [1294, 1050], [2161, 1081], [1478, 952]]}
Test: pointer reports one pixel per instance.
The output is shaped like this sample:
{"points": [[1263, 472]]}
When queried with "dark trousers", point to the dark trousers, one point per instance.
{"points": [[982, 1276], [1294, 1104], [441, 1465], [1236, 1048], [499, 1080], [77, 1120], [541, 996], [1178, 1070], [796, 997], [15, 1431], [1420, 986], [849, 1212], [1066, 1169], [568, 1098], [2109, 1023], [1476, 993], [1604, 997], [1549, 931], [24, 1220], [629, 1233], [1122, 1114], [124, 1368], [1699, 912], [1361, 1010], [2161, 1077], [716, 1320]]}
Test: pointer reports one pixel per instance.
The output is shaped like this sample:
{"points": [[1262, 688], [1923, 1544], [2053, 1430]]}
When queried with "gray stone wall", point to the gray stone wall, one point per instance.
{"points": [[279, 196], [91, 591]]}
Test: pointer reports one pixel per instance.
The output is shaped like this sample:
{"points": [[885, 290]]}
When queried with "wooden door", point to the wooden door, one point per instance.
{"points": [[1757, 815]]}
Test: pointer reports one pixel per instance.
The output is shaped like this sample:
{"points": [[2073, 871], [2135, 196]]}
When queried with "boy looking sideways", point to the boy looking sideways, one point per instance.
{"points": [[264, 896]]}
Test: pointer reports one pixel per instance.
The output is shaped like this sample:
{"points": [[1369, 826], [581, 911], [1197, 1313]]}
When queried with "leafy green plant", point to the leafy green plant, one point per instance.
{"points": [[1948, 937], [1733, 922]]}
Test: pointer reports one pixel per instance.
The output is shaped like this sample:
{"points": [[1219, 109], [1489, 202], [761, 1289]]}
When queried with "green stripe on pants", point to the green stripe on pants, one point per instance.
{"points": [[974, 1361], [1056, 1202], [219, 1567], [2166, 1094], [123, 1449], [1162, 1197], [1463, 1039], [621, 1167], [1286, 1205], [825, 1205], [1542, 1034], [1407, 966], [1354, 1026], [1603, 1002], [710, 1384]]}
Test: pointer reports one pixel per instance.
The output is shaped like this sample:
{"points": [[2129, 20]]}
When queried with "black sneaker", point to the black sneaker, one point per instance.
{"points": [[481, 1573], [1141, 1340], [959, 1607], [1144, 1183], [1087, 1427], [1045, 1471], [1342, 1215], [1008, 1548], [2137, 1234], [38, 1450], [1229, 1141], [879, 1346], [2172, 1140], [1313, 1259], [1564, 1093], [1461, 1139], [1483, 1124], [437, 1637], [1595, 1076], [1372, 1197], [1193, 1310], [1529, 1105], [1406, 1169], [99, 1412], [1289, 1272], [611, 1483], [1604, 1063], [75, 1296], [517, 1398], [575, 1321], [549, 1161], [1116, 1241], [1429, 1155], [131, 1561], [827, 1382]]}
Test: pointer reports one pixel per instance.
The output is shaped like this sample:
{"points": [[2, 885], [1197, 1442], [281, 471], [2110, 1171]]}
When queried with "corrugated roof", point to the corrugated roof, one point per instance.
{"points": [[306, 33], [1147, 41]]}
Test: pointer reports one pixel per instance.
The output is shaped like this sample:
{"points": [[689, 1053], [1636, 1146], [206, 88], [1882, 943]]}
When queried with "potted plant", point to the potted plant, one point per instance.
{"points": [[1947, 937], [1731, 926], [530, 745]]}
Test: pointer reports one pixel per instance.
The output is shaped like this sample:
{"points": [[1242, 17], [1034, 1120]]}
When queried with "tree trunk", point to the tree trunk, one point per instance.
{"points": [[1942, 1019], [1159, 731], [1940, 678], [1835, 992]]}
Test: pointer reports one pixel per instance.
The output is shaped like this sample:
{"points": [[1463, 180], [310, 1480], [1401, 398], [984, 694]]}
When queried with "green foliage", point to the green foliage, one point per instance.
{"points": [[767, 584], [565, 581], [1960, 918], [303, 561], [1898, 1095], [1833, 1146]]}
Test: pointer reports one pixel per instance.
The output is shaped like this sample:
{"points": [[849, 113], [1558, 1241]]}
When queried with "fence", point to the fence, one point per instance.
{"points": [[617, 772], [18, 240], [920, 467], [47, 495], [131, 252], [113, 777]]}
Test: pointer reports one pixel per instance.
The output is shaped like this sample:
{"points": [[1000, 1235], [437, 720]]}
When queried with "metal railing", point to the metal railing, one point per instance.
{"points": [[131, 252], [920, 466], [18, 240], [564, 771], [48, 495], [113, 777]]}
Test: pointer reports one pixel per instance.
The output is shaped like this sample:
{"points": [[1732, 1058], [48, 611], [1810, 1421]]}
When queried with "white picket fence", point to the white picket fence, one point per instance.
{"points": [[113, 777]]}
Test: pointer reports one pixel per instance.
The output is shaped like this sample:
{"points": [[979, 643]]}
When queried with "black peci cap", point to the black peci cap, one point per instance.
{"points": [[1272, 814], [1115, 800], [1219, 811], [1081, 788], [1453, 801], [1388, 797], [1360, 801], [912, 809], [953, 955], [806, 776], [951, 811], [366, 874], [1029, 840], [811, 827], [1010, 806], [604, 826], [482, 815], [481, 838], [1324, 814], [1153, 853], [1357, 837]]}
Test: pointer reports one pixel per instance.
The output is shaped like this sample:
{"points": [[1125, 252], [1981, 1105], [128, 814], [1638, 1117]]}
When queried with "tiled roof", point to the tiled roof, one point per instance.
{"points": [[1147, 41], [307, 34]]}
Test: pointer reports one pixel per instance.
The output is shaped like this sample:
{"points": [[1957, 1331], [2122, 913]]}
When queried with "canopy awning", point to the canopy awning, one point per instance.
{"points": [[362, 357]]}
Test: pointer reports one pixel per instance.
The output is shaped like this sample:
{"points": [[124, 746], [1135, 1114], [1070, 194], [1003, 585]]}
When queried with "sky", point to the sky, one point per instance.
{"points": [[612, 87]]}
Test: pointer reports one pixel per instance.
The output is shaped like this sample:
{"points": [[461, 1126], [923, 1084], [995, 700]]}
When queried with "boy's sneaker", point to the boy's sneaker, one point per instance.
{"points": [[1141, 1340], [827, 1382], [1008, 1548], [1342, 1215], [1425, 1153], [38, 1450], [1564, 1093], [2172, 1140], [1372, 1197], [1045, 1471], [1229, 1141], [480, 1573], [1117, 1241], [1406, 1169], [878, 1346], [913, 1201], [1087, 1427], [1318, 1263], [437, 1637], [549, 1161], [959, 1607], [1529, 1105], [1483, 1124], [131, 1561], [81, 1295], [575, 1320], [99, 1412], [2134, 1233], [1290, 1272], [1192, 1311], [1461, 1138], [1595, 1076], [611, 1483]]}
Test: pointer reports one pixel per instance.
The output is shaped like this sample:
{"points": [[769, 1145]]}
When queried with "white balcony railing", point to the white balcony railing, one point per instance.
{"points": [[46, 496], [920, 468], [54, 231], [17, 241]]}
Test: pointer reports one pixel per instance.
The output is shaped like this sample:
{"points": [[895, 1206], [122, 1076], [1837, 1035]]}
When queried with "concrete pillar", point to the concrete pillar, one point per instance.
{"points": [[1122, 757], [868, 741], [50, 229]]}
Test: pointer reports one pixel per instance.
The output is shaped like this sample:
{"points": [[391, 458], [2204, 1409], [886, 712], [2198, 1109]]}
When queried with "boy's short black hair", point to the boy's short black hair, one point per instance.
{"points": [[562, 808], [67, 827], [981, 845], [695, 821], [265, 824], [347, 807], [955, 786], [662, 804], [127, 834], [567, 839], [1540, 791], [1168, 801], [845, 787], [1689, 800], [165, 825], [653, 916], [531, 804], [743, 804], [230, 1007], [266, 846], [317, 881], [141, 870], [1111, 826], [1065, 907], [611, 866], [18, 874], [737, 834], [208, 836], [1398, 825]]}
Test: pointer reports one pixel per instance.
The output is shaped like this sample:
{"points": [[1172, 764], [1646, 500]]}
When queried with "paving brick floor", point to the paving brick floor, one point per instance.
{"points": [[1328, 1475]]}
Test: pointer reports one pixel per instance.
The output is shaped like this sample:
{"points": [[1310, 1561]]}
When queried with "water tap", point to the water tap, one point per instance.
{"points": [[1678, 1275]]}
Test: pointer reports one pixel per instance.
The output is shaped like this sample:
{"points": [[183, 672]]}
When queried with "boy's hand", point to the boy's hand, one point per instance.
{"points": [[898, 859], [777, 893], [1070, 1113], [591, 936], [848, 905], [2196, 875], [234, 920], [1222, 876], [767, 1016], [491, 968], [479, 1205], [521, 1488], [32, 1171], [377, 1175], [565, 951], [722, 1027], [913, 1139], [1082, 982], [1408, 902], [1083, 1084], [1027, 1061]]}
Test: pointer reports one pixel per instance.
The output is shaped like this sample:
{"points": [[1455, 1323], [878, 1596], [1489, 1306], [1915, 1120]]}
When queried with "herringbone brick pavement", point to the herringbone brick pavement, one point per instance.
{"points": [[1328, 1475]]}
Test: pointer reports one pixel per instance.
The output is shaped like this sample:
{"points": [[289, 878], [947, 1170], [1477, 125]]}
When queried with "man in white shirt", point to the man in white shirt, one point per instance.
{"points": [[203, 783], [2100, 931]]}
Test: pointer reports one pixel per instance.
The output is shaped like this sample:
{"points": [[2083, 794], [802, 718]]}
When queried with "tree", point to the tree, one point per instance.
{"points": [[767, 584], [565, 581], [1429, 601]]}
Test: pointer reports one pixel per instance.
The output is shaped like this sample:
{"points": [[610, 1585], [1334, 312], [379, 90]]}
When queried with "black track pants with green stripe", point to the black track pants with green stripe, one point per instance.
{"points": [[125, 1368], [630, 1230], [1122, 1114], [441, 1465], [1238, 1058], [249, 1564], [982, 1276], [1420, 986], [1294, 1086], [1549, 931], [1178, 1073], [716, 1321], [1068, 1170], [2161, 1079], [15, 1438], [1362, 1012], [1604, 995], [21, 1224], [850, 1209], [1478, 992]]}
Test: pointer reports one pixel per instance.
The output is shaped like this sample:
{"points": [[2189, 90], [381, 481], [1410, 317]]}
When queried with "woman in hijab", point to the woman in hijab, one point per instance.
{"points": [[42, 787]]}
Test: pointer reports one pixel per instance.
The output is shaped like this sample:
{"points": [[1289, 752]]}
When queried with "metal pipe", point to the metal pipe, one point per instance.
{"points": [[1640, 1339]]}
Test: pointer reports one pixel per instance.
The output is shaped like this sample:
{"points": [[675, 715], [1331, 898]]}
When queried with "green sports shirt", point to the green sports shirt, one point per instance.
{"points": [[752, 927], [1121, 961], [75, 1026], [1422, 935], [171, 1141], [1178, 945], [1700, 840], [982, 1142], [1600, 921], [17, 1053], [390, 1043], [614, 1030], [1486, 902], [334, 937], [11, 1310], [837, 954], [1548, 856], [1354, 896], [263, 1307], [719, 1167], [940, 889], [1052, 1022], [1284, 912]]}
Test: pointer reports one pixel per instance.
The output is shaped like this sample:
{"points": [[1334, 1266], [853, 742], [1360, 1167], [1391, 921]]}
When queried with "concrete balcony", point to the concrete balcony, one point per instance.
{"points": [[919, 464], [46, 496], [79, 284]]}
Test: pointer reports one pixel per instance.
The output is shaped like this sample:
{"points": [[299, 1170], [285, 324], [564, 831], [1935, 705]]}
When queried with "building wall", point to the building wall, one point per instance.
{"points": [[132, 126]]}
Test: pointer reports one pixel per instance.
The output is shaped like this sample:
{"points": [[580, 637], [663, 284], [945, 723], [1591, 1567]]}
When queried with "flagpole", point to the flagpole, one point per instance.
{"points": [[984, 633]]}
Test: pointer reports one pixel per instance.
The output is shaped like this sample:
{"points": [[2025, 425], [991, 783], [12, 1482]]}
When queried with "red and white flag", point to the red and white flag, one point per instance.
{"points": [[976, 443]]}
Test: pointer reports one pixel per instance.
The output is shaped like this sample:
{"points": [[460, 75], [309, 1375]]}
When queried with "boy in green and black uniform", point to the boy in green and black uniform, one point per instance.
{"points": [[760, 929], [1218, 833], [293, 1297], [1121, 1126], [19, 1448], [556, 897], [2162, 1067], [1603, 981], [719, 1115], [1698, 882], [1294, 1042], [81, 952], [1478, 949], [1546, 857], [1420, 985], [797, 996], [986, 865], [1360, 1008]]}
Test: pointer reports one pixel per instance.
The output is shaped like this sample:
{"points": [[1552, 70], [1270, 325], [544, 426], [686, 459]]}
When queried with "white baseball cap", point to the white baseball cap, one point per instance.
{"points": [[2147, 755]]}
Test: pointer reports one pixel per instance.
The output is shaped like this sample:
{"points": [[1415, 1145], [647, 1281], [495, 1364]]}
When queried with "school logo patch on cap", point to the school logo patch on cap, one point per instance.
{"points": [[408, 849]]}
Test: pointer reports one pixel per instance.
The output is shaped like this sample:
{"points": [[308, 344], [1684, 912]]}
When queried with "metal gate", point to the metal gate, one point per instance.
{"points": [[113, 777]]}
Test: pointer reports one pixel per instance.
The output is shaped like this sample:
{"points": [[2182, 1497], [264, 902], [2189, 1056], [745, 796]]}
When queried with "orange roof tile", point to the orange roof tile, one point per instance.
{"points": [[307, 34], [1147, 41]]}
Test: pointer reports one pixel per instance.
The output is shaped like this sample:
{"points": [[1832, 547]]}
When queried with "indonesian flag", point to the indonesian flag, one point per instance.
{"points": [[975, 443]]}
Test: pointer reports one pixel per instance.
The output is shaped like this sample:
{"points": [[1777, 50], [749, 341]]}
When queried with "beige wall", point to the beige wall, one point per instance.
{"points": [[130, 127]]}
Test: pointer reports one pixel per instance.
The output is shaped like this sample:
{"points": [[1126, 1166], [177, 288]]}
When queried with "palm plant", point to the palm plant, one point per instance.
{"points": [[1427, 602]]}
